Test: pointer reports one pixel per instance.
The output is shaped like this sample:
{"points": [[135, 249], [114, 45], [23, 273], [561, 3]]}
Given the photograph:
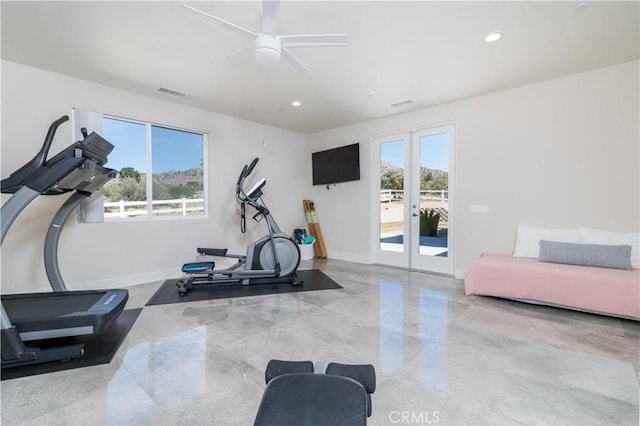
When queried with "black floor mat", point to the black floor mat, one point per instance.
{"points": [[99, 349], [312, 280]]}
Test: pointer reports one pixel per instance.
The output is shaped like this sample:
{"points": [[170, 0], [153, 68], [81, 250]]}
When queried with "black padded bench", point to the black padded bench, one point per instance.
{"points": [[299, 393]]}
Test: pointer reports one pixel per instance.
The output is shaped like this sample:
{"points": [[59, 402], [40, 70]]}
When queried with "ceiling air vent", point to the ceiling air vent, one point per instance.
{"points": [[171, 92], [400, 103]]}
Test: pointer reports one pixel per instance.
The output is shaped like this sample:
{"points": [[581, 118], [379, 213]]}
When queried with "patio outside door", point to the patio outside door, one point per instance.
{"points": [[415, 224]]}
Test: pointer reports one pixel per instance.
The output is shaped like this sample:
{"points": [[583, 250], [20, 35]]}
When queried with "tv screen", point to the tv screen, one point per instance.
{"points": [[336, 165]]}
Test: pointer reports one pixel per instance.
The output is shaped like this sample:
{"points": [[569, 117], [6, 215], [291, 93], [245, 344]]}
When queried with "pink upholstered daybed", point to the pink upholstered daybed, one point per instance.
{"points": [[608, 291], [526, 277]]}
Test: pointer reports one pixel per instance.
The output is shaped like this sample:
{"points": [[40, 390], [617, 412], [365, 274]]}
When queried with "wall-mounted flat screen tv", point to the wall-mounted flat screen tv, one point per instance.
{"points": [[336, 165]]}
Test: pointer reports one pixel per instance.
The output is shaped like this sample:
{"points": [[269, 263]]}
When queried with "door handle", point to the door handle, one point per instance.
{"points": [[414, 214]]}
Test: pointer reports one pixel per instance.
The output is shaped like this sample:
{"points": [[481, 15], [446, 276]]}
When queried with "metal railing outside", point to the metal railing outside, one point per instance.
{"points": [[389, 195]]}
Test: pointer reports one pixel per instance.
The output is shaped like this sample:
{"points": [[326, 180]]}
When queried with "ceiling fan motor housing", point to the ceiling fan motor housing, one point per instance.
{"points": [[268, 44], [268, 48]]}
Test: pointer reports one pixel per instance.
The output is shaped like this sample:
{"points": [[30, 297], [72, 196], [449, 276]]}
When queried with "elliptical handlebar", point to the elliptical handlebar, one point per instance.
{"points": [[242, 175], [252, 166], [241, 195]]}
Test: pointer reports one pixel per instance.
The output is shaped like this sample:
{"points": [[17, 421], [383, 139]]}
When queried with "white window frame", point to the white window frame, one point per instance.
{"points": [[92, 209]]}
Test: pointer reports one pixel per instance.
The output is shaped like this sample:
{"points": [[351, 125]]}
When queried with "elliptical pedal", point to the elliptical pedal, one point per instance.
{"points": [[212, 252], [198, 267]]}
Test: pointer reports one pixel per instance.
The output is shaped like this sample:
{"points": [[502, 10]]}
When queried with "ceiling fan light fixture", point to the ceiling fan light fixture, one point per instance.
{"points": [[268, 48]]}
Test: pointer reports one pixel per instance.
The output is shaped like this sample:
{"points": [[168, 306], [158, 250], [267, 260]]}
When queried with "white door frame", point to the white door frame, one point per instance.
{"points": [[386, 257], [410, 257]]}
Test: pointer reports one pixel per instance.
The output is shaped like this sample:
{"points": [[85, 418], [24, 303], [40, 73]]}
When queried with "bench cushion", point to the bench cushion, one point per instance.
{"points": [[312, 399]]}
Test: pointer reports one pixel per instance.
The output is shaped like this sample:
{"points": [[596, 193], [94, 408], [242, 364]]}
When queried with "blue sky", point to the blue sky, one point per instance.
{"points": [[434, 152], [171, 149], [180, 150]]}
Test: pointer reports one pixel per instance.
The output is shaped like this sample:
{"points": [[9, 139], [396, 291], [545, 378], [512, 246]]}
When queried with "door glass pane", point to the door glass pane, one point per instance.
{"points": [[392, 195], [126, 195], [178, 175], [434, 194]]}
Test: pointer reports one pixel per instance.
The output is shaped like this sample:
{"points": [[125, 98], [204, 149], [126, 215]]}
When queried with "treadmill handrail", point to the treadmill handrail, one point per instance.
{"points": [[13, 207], [49, 177], [47, 182], [17, 178]]}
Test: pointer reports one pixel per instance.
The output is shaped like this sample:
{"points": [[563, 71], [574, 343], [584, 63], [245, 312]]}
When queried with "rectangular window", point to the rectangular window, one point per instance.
{"points": [[161, 171], [165, 162]]}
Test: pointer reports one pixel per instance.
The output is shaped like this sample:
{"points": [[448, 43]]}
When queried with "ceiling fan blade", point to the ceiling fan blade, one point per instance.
{"points": [[314, 40], [224, 23], [270, 9], [239, 52], [292, 61]]}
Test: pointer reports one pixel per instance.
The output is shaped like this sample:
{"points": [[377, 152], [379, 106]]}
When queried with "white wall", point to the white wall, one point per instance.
{"points": [[118, 254], [560, 153]]}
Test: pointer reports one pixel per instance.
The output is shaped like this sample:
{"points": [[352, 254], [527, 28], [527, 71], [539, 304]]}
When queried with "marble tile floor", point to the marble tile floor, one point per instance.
{"points": [[441, 358]]}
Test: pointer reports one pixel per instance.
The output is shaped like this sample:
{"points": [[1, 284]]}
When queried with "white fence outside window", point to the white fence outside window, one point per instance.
{"points": [[195, 206], [176, 207]]}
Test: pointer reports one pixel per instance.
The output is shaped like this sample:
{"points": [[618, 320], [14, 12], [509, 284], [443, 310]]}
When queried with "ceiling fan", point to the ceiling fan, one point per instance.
{"points": [[269, 47]]}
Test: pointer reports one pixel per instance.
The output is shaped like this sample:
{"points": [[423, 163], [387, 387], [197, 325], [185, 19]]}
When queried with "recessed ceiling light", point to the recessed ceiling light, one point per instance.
{"points": [[296, 103], [493, 36], [372, 93], [581, 7]]}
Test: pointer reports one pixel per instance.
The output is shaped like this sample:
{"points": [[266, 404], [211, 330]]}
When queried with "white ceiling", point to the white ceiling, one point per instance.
{"points": [[431, 52]]}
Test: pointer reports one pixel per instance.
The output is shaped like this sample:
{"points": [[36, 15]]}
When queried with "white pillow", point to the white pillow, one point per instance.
{"points": [[596, 236], [528, 239]]}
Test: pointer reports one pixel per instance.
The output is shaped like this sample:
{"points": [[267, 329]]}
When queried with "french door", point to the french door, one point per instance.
{"points": [[413, 197]]}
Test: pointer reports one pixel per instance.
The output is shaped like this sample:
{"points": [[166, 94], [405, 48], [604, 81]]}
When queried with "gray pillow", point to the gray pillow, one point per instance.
{"points": [[618, 257]]}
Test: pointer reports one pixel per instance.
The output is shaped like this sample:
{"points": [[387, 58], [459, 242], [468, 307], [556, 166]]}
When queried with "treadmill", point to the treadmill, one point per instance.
{"points": [[29, 317]]}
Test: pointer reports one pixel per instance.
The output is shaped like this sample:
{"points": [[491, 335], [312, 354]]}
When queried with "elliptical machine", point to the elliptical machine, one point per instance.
{"points": [[273, 258]]}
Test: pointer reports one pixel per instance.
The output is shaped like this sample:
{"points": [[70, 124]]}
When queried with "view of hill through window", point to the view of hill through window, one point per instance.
{"points": [[174, 160]]}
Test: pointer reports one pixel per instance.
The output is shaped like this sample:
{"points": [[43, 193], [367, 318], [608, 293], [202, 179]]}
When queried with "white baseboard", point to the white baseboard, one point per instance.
{"points": [[350, 257], [168, 273], [459, 273], [127, 280]]}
